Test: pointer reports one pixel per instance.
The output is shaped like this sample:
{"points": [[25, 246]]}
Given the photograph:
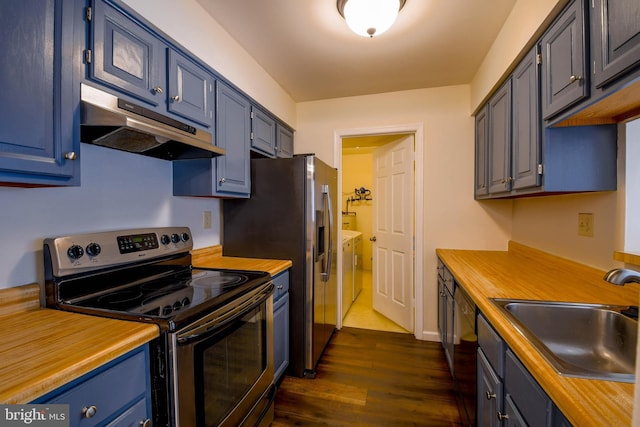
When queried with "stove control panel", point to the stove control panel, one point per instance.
{"points": [[84, 252]]}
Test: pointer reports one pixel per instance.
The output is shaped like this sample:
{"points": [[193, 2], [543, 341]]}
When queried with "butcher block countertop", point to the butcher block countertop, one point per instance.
{"points": [[526, 273], [42, 349], [211, 257]]}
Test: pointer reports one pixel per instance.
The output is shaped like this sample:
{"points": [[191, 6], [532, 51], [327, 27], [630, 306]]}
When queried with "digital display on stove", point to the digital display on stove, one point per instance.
{"points": [[137, 243]]}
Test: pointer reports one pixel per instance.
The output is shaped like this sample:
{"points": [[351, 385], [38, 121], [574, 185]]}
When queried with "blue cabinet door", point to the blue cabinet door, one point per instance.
{"points": [[233, 127], [191, 89], [564, 63], [481, 136], [126, 56], [615, 26], [228, 175], [284, 142], [38, 140], [526, 145], [499, 141], [263, 132], [280, 336]]}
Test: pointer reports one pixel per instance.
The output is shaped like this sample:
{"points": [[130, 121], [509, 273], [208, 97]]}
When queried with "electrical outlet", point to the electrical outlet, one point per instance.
{"points": [[206, 220], [585, 224]]}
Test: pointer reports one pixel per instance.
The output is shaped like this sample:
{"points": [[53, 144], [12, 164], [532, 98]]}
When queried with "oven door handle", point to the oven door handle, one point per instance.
{"points": [[222, 319]]}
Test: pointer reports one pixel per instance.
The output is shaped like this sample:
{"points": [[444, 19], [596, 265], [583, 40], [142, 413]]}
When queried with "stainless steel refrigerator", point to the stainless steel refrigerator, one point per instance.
{"points": [[291, 214]]}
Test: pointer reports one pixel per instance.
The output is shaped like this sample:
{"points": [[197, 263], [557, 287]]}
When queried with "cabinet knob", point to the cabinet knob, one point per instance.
{"points": [[145, 423], [158, 89], [574, 79], [491, 395], [222, 180], [373, 238], [280, 287], [70, 155], [175, 98], [502, 417], [89, 411]]}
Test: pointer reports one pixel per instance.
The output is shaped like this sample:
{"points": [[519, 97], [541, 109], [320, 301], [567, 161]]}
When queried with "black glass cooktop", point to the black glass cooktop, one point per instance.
{"points": [[166, 297]]}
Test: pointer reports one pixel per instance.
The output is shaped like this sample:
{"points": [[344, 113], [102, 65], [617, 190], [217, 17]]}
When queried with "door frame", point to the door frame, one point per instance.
{"points": [[418, 214]]}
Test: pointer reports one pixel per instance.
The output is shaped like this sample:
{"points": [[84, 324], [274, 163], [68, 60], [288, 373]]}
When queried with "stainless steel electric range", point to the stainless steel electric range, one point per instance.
{"points": [[213, 362]]}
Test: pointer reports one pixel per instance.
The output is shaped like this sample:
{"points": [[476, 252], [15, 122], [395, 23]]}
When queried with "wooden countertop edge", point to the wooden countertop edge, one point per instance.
{"points": [[48, 337], [583, 401], [33, 390], [211, 257]]}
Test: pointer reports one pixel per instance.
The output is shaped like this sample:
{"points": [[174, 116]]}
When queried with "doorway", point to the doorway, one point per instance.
{"points": [[354, 153]]}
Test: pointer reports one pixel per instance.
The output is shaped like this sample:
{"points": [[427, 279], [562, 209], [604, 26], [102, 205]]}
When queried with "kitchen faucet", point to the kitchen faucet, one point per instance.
{"points": [[620, 276]]}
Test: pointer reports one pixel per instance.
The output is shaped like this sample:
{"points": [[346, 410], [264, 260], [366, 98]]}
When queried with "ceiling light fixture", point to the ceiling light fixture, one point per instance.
{"points": [[370, 18]]}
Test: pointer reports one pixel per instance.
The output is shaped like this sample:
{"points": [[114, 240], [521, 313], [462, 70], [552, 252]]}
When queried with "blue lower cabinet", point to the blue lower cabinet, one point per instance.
{"points": [[116, 394], [281, 324]]}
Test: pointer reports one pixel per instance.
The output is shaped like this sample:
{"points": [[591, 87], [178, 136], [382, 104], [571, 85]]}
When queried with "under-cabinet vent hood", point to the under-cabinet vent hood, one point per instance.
{"points": [[115, 123]]}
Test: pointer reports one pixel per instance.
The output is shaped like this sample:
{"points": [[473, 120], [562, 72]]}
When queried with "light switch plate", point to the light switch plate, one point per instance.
{"points": [[585, 224]]}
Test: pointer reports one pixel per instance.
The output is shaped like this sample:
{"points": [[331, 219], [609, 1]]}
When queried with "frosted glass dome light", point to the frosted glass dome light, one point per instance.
{"points": [[369, 18]]}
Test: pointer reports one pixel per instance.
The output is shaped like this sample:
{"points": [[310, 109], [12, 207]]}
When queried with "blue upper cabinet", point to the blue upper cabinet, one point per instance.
{"points": [[615, 26], [564, 61], [39, 142], [263, 132], [135, 61], [126, 56], [228, 175], [191, 89], [284, 141]]}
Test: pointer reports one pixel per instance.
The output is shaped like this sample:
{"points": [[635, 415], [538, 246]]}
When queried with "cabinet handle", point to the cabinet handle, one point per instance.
{"points": [[157, 89], [70, 155], [491, 396], [145, 423], [221, 180], [90, 411], [574, 78], [502, 417], [279, 287], [175, 98]]}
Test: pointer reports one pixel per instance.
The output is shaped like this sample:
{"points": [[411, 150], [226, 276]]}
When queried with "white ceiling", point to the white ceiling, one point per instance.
{"points": [[306, 46]]}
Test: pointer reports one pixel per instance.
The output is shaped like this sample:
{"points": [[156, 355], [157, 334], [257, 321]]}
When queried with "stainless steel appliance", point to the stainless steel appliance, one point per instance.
{"points": [[291, 215], [117, 123], [213, 362], [465, 355]]}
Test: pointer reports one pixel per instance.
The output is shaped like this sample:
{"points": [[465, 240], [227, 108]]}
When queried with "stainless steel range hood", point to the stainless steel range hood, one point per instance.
{"points": [[115, 123]]}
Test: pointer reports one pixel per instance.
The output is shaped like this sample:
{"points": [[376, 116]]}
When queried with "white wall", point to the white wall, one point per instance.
{"points": [[452, 219], [119, 190]]}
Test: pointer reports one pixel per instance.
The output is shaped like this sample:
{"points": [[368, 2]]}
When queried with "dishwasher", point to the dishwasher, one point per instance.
{"points": [[464, 355]]}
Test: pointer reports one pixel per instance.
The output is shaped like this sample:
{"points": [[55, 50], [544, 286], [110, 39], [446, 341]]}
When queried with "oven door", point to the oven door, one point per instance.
{"points": [[223, 365]]}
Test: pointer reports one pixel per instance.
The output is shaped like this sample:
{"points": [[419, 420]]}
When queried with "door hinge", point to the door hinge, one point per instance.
{"points": [[87, 56], [89, 14], [251, 115], [538, 58], [251, 136], [540, 169]]}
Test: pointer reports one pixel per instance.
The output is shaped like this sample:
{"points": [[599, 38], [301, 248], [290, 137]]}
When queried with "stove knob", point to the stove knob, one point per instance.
{"points": [[75, 252], [177, 306], [175, 238], [165, 239], [93, 249], [185, 301], [184, 237], [167, 309]]}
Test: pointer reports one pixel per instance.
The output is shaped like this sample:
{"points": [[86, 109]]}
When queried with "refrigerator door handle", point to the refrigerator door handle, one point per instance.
{"points": [[327, 213]]}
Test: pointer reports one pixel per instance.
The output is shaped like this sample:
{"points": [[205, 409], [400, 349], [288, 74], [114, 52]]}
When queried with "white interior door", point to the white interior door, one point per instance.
{"points": [[393, 225]]}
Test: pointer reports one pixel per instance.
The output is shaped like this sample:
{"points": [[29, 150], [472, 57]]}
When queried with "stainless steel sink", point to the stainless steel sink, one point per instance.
{"points": [[579, 340]]}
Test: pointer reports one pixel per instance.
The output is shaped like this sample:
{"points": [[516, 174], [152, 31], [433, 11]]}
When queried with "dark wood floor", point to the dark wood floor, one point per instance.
{"points": [[372, 378]]}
